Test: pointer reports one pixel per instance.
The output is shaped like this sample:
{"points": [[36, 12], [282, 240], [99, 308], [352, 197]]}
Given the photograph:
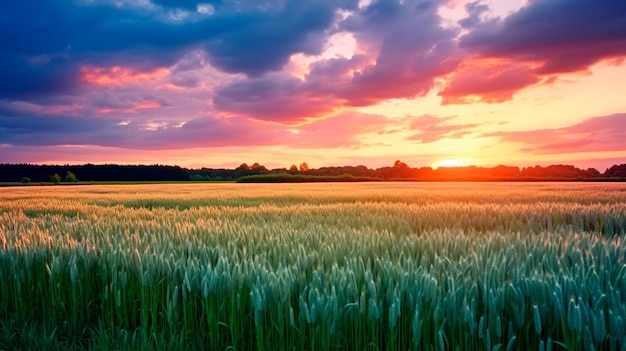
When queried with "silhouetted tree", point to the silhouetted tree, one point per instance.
{"points": [[592, 173], [242, 170], [553, 171], [401, 170], [258, 169], [504, 171], [616, 171]]}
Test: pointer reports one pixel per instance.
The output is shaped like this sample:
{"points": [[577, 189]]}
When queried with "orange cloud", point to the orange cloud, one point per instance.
{"points": [[118, 75]]}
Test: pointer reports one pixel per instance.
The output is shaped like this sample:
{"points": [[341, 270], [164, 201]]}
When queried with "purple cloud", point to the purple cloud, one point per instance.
{"points": [[237, 39], [543, 38], [561, 35], [166, 74], [273, 98], [408, 50], [161, 134]]}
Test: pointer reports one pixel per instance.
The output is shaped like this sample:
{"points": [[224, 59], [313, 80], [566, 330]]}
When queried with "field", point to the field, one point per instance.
{"points": [[357, 266]]}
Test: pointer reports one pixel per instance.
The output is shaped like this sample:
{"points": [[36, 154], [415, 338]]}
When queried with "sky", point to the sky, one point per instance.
{"points": [[217, 83]]}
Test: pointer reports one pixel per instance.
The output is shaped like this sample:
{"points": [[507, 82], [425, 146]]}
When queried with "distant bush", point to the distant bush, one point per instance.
{"points": [[25, 180], [55, 178], [70, 177]]}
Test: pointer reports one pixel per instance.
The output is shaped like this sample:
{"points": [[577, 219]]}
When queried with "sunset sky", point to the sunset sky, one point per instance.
{"points": [[327, 82]]}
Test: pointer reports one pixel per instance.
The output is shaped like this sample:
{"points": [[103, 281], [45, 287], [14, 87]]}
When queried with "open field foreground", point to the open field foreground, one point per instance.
{"points": [[367, 266]]}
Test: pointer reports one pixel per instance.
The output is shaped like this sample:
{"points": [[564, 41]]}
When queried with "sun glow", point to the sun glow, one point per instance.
{"points": [[453, 162]]}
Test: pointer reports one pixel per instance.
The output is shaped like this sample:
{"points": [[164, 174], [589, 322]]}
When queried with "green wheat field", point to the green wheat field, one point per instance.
{"points": [[359, 266]]}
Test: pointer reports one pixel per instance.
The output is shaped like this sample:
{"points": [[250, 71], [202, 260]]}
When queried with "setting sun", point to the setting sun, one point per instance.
{"points": [[455, 162]]}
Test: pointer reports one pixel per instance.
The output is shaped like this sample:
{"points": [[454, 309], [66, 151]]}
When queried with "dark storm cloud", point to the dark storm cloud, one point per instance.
{"points": [[53, 130], [49, 42], [46, 43], [562, 35], [188, 4], [408, 50], [21, 78], [531, 45], [273, 98], [414, 50], [474, 12], [265, 42]]}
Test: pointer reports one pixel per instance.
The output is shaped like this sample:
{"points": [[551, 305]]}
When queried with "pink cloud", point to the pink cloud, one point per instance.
{"points": [[487, 81], [597, 134], [560, 36], [121, 130], [341, 130], [541, 39], [274, 98], [403, 49], [431, 128]]}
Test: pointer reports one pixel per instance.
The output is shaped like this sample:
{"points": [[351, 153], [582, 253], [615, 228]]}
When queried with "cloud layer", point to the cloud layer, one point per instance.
{"points": [[542, 39], [164, 74], [605, 133]]}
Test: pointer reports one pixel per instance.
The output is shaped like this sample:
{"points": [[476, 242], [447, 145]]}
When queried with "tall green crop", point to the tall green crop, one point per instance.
{"points": [[314, 266]]}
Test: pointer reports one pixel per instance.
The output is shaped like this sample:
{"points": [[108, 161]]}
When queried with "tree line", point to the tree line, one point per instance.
{"points": [[399, 171]]}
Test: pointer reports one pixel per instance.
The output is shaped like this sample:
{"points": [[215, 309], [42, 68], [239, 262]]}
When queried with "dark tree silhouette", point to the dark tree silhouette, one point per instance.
{"points": [[399, 171]]}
